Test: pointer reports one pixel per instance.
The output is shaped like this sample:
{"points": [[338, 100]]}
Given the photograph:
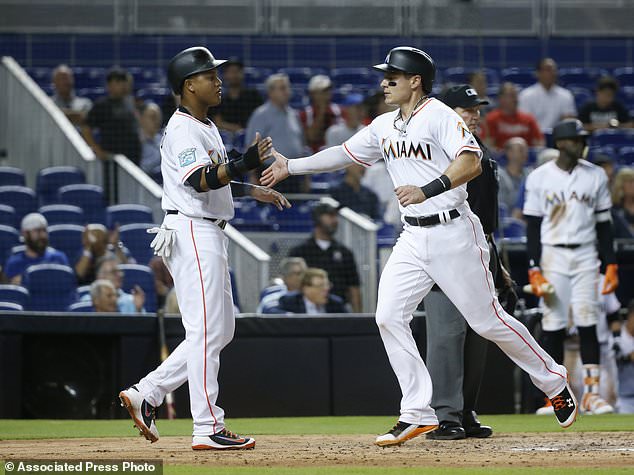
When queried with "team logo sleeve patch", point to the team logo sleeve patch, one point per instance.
{"points": [[187, 157]]}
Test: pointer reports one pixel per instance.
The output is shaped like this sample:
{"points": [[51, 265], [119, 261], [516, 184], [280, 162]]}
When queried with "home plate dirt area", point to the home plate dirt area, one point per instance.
{"points": [[568, 449]]}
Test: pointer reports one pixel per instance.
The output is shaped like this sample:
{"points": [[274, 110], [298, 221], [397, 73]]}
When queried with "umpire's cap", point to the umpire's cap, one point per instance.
{"points": [[189, 62], [463, 96], [410, 60], [568, 129]]}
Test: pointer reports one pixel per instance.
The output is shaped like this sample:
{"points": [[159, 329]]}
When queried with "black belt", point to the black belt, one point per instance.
{"points": [[221, 223], [568, 246], [430, 220]]}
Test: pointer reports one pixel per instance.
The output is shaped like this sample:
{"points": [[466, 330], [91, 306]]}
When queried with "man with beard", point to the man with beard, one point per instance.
{"points": [[36, 250], [322, 251]]}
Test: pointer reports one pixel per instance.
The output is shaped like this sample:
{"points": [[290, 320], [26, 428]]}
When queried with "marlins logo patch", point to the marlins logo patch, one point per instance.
{"points": [[187, 157]]}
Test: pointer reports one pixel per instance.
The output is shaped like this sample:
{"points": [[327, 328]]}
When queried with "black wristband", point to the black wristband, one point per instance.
{"points": [[252, 157], [211, 177], [436, 187], [236, 169]]}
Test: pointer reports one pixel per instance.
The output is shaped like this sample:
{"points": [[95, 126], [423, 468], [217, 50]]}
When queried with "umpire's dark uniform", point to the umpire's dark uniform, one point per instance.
{"points": [[455, 353]]}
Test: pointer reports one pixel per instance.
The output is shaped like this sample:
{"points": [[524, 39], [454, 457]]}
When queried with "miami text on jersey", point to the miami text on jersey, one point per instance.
{"points": [[393, 150], [553, 199]]}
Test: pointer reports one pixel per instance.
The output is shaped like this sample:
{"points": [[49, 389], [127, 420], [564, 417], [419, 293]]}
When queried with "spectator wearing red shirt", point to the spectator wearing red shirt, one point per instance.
{"points": [[321, 113], [507, 121]]}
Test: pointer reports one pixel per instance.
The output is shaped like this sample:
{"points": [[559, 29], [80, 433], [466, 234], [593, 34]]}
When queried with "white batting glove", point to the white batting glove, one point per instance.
{"points": [[162, 243]]}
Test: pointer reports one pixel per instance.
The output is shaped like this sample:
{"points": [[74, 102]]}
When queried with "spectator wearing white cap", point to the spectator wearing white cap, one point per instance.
{"points": [[35, 251], [321, 113]]}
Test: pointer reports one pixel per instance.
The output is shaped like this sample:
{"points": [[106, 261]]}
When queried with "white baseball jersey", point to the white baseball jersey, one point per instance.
{"points": [[568, 202], [607, 304], [433, 138], [187, 145]]}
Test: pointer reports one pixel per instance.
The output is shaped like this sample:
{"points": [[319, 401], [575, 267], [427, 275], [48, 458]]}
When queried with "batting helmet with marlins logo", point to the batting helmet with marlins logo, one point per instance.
{"points": [[189, 62], [410, 60]]}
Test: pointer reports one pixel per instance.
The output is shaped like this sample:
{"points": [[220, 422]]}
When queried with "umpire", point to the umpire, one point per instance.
{"points": [[455, 353]]}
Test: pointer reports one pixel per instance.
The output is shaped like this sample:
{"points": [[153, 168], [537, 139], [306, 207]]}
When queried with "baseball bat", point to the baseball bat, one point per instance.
{"points": [[164, 353], [547, 289]]}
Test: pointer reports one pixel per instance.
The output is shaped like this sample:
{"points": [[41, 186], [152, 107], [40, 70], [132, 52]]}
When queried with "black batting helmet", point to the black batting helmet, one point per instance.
{"points": [[410, 60], [568, 129], [189, 62]]}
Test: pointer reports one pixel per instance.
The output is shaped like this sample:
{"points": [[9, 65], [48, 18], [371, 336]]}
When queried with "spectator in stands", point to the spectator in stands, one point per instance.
{"points": [[151, 120], [163, 281], [623, 200], [514, 173], [607, 163], [98, 244], [126, 303], [354, 195], [507, 121], [314, 297], [478, 81], [238, 101], [276, 119], [292, 270], [36, 249], [352, 121], [605, 111], [74, 108], [104, 296], [546, 100], [625, 364], [321, 250], [321, 113], [116, 120]]}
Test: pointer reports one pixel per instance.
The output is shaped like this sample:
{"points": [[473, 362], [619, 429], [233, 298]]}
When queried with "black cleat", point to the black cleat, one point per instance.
{"points": [[566, 407], [447, 431]]}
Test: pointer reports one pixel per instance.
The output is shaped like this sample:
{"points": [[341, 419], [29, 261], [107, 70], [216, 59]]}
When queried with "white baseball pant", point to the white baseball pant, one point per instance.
{"points": [[199, 267], [455, 255]]}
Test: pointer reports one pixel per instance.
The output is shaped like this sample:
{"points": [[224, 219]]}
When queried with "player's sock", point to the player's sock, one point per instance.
{"points": [[591, 375], [589, 345], [553, 344]]}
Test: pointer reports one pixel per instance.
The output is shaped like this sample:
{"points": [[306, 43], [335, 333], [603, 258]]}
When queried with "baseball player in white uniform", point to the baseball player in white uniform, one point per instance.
{"points": [[198, 202], [567, 209], [430, 155]]}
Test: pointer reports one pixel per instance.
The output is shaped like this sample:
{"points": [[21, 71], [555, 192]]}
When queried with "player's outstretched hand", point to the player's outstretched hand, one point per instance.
{"points": [[265, 146], [277, 172], [267, 195], [409, 195]]}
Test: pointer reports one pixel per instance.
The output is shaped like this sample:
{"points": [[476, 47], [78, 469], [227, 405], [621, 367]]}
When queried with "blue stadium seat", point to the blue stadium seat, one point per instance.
{"points": [[11, 307], [254, 76], [81, 307], [50, 180], [513, 228], [296, 219], [63, 214], [128, 214], [135, 274], [581, 95], [625, 76], [67, 238], [249, 216], [616, 138], [82, 291], [626, 156], [12, 176], [8, 216], [89, 198], [92, 93], [298, 76], [234, 290], [22, 199], [386, 236], [581, 77], [9, 237], [354, 76], [14, 293], [136, 238], [153, 94], [51, 287], [523, 77]]}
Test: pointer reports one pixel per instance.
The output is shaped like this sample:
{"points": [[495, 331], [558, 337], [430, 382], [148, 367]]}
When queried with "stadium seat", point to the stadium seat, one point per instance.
{"points": [[82, 291], [580, 77], [12, 176], [581, 95], [513, 228], [626, 156], [51, 287], [9, 237], [153, 94], [63, 214], [298, 76], [523, 77], [136, 238], [254, 76], [135, 274], [386, 236], [14, 293], [296, 219], [81, 307], [128, 214], [68, 239], [249, 216], [616, 138], [8, 217], [625, 76], [354, 76], [11, 307], [89, 198], [92, 93], [22, 199], [50, 180]]}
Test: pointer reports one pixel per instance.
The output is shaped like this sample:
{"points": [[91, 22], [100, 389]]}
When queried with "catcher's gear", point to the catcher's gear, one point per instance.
{"points": [[611, 281], [539, 284], [406, 59], [189, 62], [162, 243]]}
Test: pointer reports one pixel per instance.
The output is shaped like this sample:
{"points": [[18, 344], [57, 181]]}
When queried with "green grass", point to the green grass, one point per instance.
{"points": [[46, 429]]}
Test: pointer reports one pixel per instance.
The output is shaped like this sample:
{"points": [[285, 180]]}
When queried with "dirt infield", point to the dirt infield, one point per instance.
{"points": [[570, 449]]}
